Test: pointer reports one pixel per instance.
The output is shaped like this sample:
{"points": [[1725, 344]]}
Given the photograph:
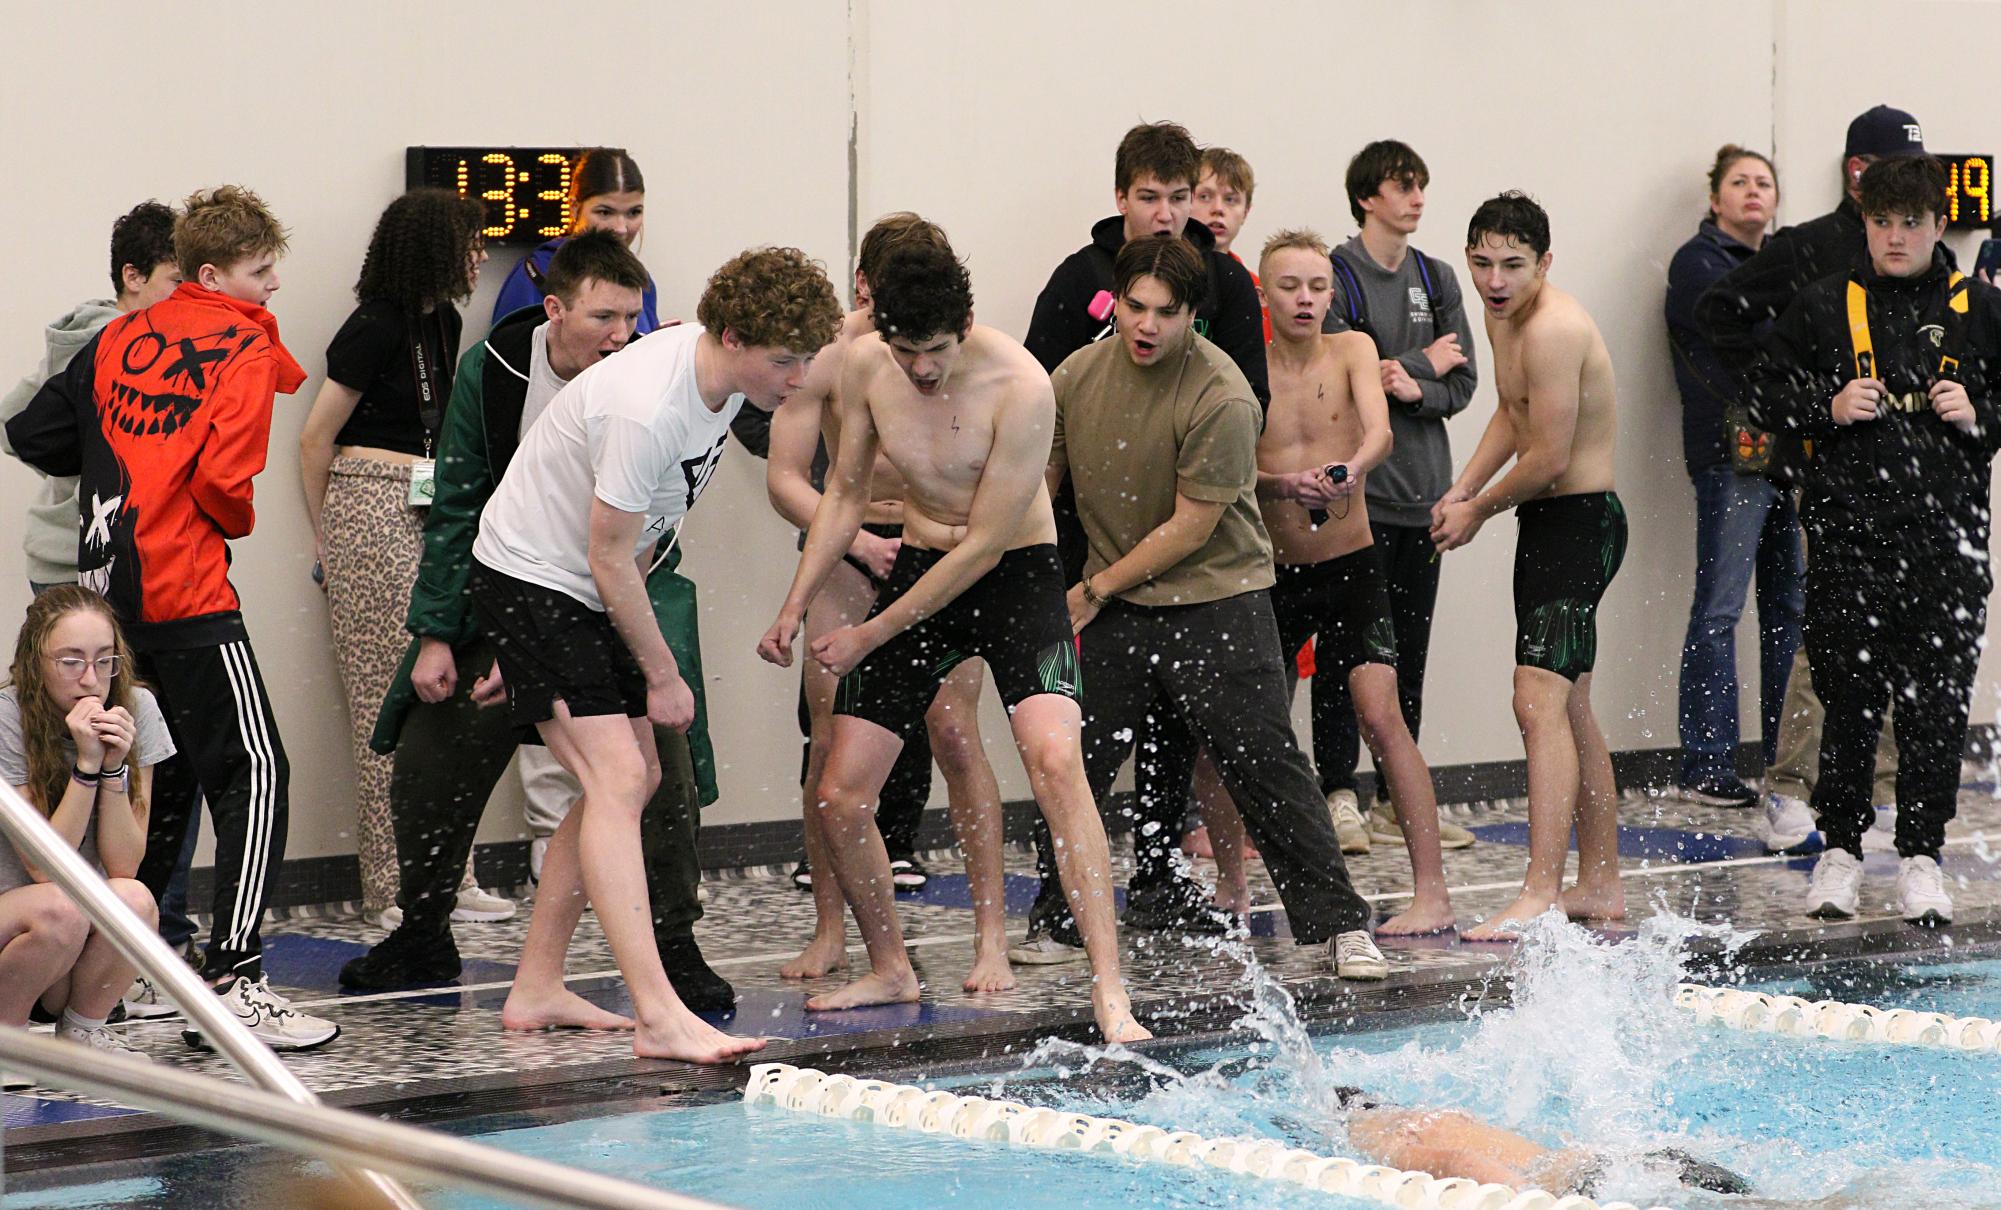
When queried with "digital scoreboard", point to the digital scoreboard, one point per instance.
{"points": [[526, 189], [1969, 190]]}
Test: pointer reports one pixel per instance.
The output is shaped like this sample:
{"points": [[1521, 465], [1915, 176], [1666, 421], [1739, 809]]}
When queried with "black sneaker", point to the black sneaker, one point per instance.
{"points": [[1719, 792], [403, 959], [908, 873], [1178, 905], [700, 988], [802, 876]]}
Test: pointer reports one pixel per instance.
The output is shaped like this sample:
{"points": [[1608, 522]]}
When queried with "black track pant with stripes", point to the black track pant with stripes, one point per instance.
{"points": [[228, 753]]}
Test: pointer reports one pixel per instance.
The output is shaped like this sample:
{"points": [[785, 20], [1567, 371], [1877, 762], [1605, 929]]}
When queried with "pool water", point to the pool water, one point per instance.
{"points": [[1589, 1054]]}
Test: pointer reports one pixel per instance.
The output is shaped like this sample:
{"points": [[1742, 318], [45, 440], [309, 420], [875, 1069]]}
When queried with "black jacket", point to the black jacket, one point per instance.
{"points": [[1707, 387], [1229, 316], [1906, 486]]}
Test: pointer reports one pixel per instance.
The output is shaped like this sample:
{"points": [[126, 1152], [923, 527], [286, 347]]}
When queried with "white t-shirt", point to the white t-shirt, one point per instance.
{"points": [[151, 744], [543, 383], [631, 431]]}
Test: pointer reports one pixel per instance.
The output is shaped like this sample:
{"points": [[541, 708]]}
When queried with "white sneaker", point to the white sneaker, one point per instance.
{"points": [[1356, 956], [1789, 823], [1349, 826], [271, 1017], [1921, 894], [99, 1038], [477, 905], [1882, 835], [538, 851], [1835, 887], [1044, 950], [145, 1001], [9, 1082]]}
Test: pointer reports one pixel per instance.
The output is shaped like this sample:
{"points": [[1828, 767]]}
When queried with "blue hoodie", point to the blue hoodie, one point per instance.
{"points": [[520, 291], [1706, 383]]}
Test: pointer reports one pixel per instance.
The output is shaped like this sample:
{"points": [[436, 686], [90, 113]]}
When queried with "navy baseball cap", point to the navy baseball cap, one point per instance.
{"points": [[1885, 132]]}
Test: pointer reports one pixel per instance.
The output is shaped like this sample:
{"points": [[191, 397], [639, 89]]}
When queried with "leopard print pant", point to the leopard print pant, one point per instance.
{"points": [[374, 540]]}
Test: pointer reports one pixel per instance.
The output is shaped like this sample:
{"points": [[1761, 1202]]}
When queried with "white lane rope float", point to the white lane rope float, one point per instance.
{"points": [[979, 1119], [1758, 1012]]}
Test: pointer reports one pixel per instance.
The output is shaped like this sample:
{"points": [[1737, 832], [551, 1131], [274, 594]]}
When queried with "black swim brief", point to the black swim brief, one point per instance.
{"points": [[1568, 550], [1014, 618], [1343, 604]]}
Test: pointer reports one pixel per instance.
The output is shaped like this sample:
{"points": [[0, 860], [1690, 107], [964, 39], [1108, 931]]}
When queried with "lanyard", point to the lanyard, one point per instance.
{"points": [[430, 411]]}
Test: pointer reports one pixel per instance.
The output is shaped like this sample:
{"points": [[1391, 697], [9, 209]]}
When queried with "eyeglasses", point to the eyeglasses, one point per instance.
{"points": [[71, 666]]}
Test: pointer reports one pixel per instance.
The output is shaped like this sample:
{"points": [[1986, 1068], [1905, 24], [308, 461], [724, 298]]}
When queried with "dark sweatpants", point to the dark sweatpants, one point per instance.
{"points": [[229, 754], [1410, 567], [1912, 627], [1220, 667], [449, 757]]}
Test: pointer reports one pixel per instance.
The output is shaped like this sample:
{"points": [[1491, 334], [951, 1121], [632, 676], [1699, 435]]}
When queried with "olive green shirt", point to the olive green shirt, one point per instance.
{"points": [[1133, 437]]}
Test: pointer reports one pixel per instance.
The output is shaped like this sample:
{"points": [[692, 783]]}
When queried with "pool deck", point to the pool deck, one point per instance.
{"points": [[439, 1054]]}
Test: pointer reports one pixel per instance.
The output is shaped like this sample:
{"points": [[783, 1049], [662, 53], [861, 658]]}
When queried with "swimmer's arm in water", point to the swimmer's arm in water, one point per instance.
{"points": [[1444, 1144], [1553, 368], [1008, 486], [621, 585], [837, 519]]}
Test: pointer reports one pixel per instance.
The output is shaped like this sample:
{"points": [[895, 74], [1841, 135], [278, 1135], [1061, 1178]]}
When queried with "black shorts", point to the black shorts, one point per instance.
{"points": [[1568, 550], [552, 647], [1343, 604], [1014, 618]]}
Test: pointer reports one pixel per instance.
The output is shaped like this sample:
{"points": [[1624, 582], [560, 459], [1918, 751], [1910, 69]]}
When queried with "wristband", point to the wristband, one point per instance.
{"points": [[109, 774], [76, 774], [1091, 596]]}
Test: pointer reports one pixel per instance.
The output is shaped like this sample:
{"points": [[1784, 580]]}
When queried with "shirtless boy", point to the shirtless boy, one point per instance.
{"points": [[809, 417], [1557, 418], [965, 416], [1328, 427]]}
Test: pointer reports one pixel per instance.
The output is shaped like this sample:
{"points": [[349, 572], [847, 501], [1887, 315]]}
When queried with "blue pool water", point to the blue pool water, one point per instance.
{"points": [[1589, 1055]]}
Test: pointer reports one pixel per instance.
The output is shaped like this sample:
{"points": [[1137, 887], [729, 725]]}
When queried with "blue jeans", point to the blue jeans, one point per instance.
{"points": [[1744, 524]]}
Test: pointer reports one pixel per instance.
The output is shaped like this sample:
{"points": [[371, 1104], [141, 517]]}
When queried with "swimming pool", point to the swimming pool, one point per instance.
{"points": [[1589, 1053]]}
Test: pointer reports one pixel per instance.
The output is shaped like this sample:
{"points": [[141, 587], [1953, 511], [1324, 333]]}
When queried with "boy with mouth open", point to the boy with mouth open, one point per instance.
{"points": [[964, 414], [1328, 428], [1557, 419]]}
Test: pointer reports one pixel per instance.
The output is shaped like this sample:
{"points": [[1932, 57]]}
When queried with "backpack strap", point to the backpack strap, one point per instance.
{"points": [[1424, 275], [1351, 289], [1858, 330], [1956, 305]]}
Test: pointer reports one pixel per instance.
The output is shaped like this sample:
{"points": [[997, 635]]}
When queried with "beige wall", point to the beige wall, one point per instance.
{"points": [[998, 121]]}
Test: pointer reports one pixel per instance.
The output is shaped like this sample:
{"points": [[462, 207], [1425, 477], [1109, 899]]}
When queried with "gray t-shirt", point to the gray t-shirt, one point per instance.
{"points": [[543, 382], [151, 744]]}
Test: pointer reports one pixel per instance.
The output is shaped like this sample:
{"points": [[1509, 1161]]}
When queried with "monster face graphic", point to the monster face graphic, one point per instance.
{"points": [[164, 381]]}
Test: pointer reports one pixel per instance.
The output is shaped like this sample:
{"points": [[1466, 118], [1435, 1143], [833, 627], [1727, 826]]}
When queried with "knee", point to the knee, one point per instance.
{"points": [[134, 895], [56, 919], [955, 743], [1054, 765]]}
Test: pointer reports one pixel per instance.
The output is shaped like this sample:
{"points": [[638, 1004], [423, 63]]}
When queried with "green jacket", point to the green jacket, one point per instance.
{"points": [[482, 428]]}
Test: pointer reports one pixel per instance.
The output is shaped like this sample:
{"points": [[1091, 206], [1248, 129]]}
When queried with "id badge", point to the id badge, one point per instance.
{"points": [[423, 482]]}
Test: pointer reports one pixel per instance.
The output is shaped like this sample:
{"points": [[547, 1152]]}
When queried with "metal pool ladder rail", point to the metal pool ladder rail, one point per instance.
{"points": [[281, 1111]]}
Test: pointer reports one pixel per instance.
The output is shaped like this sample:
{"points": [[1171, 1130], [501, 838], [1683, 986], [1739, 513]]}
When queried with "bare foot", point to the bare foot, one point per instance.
{"points": [[687, 1037], [1608, 902], [1521, 911], [1196, 843], [1422, 916], [559, 1009], [991, 972], [869, 989], [818, 959], [1236, 899], [1114, 1011]]}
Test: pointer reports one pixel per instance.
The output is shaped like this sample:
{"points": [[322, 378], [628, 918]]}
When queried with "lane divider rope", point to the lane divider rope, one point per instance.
{"points": [[972, 1118], [1758, 1012]]}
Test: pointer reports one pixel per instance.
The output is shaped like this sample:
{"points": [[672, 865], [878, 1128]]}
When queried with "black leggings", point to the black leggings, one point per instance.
{"points": [[1410, 568], [1911, 627]]}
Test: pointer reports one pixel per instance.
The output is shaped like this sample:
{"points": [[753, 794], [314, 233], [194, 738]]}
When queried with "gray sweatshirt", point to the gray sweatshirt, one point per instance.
{"points": [[1402, 490], [51, 532]]}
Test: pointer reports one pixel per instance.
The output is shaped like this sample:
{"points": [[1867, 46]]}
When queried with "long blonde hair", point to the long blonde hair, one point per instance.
{"points": [[43, 730]]}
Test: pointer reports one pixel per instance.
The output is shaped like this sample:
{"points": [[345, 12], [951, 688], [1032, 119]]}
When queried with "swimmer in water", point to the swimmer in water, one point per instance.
{"points": [[1449, 1143]]}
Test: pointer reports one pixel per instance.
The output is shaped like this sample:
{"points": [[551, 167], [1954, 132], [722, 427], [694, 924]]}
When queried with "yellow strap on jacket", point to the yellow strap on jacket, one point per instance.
{"points": [[1858, 325]]}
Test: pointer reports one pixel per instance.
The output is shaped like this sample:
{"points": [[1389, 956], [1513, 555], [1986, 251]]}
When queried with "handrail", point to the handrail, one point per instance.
{"points": [[321, 1132], [37, 841], [47, 850]]}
